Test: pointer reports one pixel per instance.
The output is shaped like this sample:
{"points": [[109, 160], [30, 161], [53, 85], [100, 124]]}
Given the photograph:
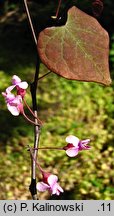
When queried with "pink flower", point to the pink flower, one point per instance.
{"points": [[49, 183], [20, 86], [14, 103], [75, 145]]}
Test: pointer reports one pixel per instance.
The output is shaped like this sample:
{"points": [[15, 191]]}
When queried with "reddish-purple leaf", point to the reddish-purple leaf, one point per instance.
{"points": [[78, 50]]}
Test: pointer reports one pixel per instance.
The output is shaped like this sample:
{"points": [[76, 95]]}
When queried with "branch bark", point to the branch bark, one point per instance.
{"points": [[37, 127], [36, 133]]}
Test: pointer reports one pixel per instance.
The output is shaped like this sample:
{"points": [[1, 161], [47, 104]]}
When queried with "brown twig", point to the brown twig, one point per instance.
{"points": [[30, 21], [57, 11], [44, 75], [34, 102]]}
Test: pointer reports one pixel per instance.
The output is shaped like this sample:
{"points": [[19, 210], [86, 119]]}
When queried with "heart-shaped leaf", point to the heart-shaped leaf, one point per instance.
{"points": [[79, 50]]}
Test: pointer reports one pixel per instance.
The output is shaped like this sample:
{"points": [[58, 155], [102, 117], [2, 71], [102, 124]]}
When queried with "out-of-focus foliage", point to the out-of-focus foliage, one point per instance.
{"points": [[67, 107]]}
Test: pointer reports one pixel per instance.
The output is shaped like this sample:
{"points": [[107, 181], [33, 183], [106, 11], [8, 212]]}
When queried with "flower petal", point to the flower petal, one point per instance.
{"points": [[9, 89], [4, 94], [15, 80], [60, 188], [83, 145], [13, 109], [57, 189], [23, 85], [41, 186], [85, 141], [9, 99], [72, 139], [52, 179], [72, 152], [17, 100]]}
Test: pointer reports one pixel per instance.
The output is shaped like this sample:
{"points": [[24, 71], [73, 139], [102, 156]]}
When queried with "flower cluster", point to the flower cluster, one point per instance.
{"points": [[14, 102], [73, 147], [74, 144]]}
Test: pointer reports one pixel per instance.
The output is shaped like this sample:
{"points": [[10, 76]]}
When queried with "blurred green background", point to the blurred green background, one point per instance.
{"points": [[85, 110]]}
